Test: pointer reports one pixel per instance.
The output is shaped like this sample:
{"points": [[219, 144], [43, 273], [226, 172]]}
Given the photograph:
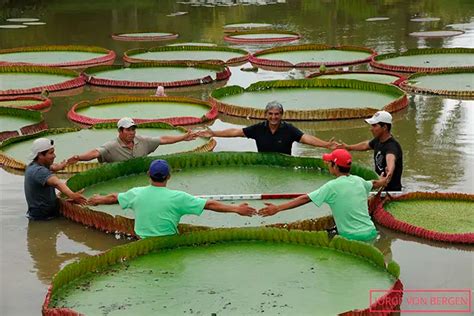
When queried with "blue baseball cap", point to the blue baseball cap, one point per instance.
{"points": [[159, 169]]}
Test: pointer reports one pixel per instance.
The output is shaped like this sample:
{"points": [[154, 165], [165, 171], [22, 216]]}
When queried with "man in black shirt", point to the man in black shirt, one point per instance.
{"points": [[388, 155], [272, 135]]}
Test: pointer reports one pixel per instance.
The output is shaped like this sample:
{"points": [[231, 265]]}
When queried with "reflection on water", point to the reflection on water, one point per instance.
{"points": [[53, 244], [437, 135]]}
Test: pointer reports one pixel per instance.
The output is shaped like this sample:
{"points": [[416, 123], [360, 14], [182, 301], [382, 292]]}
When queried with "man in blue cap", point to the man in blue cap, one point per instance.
{"points": [[158, 209]]}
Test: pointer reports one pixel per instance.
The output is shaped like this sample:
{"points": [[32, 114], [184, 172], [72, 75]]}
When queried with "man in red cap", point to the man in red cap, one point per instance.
{"points": [[346, 195]]}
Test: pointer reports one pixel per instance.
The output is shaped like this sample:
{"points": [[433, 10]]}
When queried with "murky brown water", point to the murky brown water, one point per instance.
{"points": [[437, 134]]}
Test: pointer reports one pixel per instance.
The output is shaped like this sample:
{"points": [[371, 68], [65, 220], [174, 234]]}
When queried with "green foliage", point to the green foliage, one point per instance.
{"points": [[310, 83], [201, 65], [444, 72], [425, 51], [73, 48], [358, 248], [152, 245], [24, 113], [322, 68], [394, 269], [192, 160], [303, 47], [39, 69], [186, 48]]}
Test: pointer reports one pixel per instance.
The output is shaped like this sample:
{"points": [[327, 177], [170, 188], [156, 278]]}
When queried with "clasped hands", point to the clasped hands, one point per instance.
{"points": [[245, 210]]}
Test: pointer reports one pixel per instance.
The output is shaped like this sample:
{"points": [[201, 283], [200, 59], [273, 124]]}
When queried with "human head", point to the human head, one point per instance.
{"points": [[274, 105], [126, 127], [381, 123], [159, 170], [274, 112], [339, 158], [160, 91], [42, 151]]}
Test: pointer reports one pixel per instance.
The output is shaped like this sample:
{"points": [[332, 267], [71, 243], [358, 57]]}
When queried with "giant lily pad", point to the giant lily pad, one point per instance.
{"points": [[173, 110], [311, 55], [69, 56], [426, 60], [148, 75], [310, 99], [445, 217], [14, 153], [204, 174], [149, 275]]}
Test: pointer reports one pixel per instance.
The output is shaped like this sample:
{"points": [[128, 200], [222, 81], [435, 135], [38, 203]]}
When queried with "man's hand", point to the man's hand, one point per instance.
{"points": [[61, 165], [96, 199], [269, 210], [382, 181], [78, 198], [72, 160], [333, 144], [190, 136], [341, 145], [245, 210], [205, 133]]}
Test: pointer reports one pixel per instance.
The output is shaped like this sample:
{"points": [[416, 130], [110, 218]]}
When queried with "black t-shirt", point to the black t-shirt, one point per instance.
{"points": [[390, 146], [279, 142]]}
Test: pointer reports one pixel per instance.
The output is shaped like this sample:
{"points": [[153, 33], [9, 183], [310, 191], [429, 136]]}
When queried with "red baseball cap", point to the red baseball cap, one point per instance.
{"points": [[340, 157]]}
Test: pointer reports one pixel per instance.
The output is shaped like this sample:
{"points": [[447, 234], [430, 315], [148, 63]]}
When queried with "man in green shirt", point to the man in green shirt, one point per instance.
{"points": [[346, 195], [158, 209]]}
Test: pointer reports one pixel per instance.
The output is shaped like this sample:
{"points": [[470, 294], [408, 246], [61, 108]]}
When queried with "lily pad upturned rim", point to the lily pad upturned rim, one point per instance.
{"points": [[386, 219], [42, 103], [338, 72], [76, 81], [287, 36], [74, 116], [128, 55], [467, 94], [13, 163], [305, 115], [426, 34], [255, 59], [119, 224], [132, 250], [130, 38], [377, 61], [222, 73], [263, 26], [41, 125], [108, 58]]}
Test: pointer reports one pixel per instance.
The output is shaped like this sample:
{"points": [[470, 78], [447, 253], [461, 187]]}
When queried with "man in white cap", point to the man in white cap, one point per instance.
{"points": [[272, 135], [388, 155], [40, 182], [129, 145]]}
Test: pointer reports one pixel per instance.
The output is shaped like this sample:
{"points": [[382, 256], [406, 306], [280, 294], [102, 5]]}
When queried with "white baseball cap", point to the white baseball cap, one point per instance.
{"points": [[126, 122], [40, 145], [380, 117]]}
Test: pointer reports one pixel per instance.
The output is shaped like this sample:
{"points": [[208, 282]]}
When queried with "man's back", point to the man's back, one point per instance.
{"points": [[347, 197], [159, 209]]}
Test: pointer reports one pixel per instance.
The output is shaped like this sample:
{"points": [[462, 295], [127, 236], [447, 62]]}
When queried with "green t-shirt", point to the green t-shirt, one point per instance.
{"points": [[347, 197], [159, 209]]}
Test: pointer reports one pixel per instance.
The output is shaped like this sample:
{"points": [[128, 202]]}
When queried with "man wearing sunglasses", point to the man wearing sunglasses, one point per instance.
{"points": [[128, 144], [40, 182]]}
